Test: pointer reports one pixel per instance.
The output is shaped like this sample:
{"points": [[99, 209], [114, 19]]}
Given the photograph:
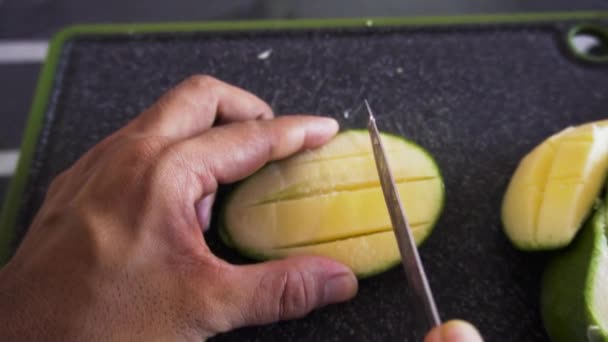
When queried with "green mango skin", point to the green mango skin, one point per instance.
{"points": [[568, 306]]}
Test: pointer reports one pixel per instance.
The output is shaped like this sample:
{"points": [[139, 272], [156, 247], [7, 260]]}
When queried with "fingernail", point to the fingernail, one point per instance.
{"points": [[339, 288], [203, 211], [459, 331]]}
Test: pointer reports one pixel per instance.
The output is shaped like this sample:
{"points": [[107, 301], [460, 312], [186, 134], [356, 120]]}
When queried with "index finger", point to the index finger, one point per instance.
{"points": [[194, 105], [229, 153]]}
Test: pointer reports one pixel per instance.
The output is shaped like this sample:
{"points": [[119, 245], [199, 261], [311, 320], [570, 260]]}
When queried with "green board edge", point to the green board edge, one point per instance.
{"points": [[14, 195]]}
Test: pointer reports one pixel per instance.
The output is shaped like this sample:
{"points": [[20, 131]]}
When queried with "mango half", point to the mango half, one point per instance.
{"points": [[328, 202], [554, 188]]}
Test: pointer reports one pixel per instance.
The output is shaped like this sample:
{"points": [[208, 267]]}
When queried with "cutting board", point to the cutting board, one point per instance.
{"points": [[477, 92]]}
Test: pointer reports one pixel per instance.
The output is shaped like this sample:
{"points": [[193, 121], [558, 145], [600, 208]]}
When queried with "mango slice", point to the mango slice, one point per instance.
{"points": [[573, 298], [555, 186], [329, 202]]}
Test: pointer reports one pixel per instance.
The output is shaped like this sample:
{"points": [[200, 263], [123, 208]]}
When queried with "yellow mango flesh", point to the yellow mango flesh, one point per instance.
{"points": [[554, 187], [329, 202], [343, 251]]}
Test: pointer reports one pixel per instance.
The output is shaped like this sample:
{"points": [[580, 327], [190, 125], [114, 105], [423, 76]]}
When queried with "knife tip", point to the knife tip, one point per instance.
{"points": [[369, 110]]}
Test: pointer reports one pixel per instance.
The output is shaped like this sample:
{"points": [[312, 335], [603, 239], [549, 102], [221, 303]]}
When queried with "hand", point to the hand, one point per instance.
{"points": [[117, 251], [454, 331]]}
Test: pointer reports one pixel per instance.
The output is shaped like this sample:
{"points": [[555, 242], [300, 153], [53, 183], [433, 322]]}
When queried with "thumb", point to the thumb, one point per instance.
{"points": [[290, 288]]}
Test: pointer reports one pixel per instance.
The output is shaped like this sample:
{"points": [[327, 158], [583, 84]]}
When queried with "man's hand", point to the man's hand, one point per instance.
{"points": [[117, 250]]}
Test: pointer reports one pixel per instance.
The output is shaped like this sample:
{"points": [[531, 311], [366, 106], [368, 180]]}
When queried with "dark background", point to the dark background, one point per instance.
{"points": [[40, 19]]}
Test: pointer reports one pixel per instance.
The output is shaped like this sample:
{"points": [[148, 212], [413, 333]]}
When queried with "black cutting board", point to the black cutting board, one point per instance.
{"points": [[477, 95]]}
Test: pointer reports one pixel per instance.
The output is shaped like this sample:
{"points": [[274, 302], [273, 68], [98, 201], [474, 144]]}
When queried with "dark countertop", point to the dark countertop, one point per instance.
{"points": [[39, 19]]}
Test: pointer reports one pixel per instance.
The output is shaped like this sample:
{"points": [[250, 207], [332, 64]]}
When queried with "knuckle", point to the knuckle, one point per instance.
{"points": [[255, 128], [146, 148], [203, 81], [130, 161], [258, 132], [164, 168], [204, 92], [262, 136], [295, 299], [173, 169], [173, 157]]}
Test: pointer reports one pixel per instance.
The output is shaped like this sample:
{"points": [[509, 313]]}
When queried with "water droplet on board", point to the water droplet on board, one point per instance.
{"points": [[264, 54]]}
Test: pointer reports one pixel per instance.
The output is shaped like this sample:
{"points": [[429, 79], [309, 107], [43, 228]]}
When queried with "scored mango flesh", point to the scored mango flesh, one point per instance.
{"points": [[329, 202], [555, 186]]}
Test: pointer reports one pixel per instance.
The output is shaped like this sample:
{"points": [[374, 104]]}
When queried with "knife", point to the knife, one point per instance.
{"points": [[410, 259]]}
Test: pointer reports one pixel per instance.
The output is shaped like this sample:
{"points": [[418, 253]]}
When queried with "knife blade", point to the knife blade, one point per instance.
{"points": [[410, 258]]}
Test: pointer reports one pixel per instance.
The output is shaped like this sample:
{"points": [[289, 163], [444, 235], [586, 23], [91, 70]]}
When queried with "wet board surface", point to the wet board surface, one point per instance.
{"points": [[477, 96]]}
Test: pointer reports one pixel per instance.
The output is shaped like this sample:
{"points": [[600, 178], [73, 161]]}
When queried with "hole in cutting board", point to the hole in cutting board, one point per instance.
{"points": [[589, 42]]}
